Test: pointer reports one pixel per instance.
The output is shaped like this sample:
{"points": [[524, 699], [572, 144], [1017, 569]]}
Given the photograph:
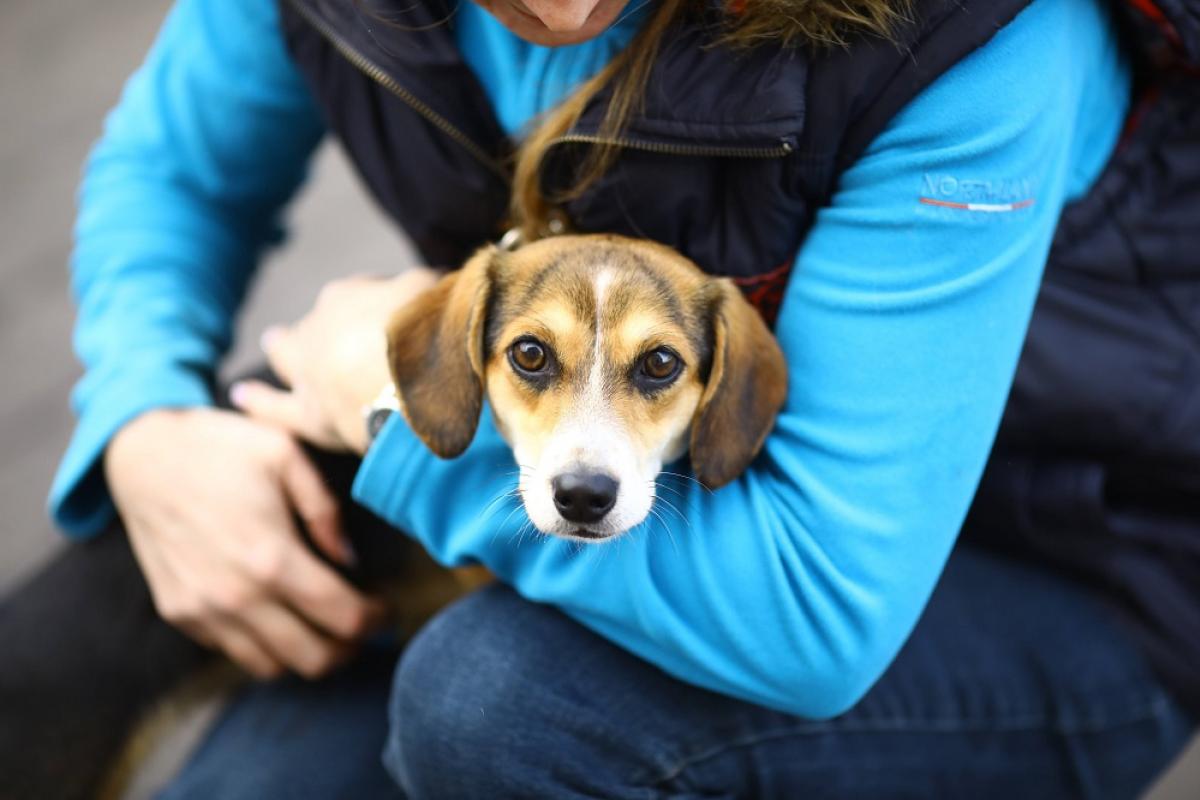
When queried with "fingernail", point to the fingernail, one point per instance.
{"points": [[349, 554], [237, 394], [268, 337]]}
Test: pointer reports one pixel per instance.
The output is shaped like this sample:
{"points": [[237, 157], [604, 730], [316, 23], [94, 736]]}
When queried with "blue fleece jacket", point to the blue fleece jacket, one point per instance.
{"points": [[795, 585]]}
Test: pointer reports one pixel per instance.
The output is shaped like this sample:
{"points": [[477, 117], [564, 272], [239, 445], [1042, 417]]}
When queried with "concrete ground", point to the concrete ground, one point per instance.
{"points": [[61, 66]]}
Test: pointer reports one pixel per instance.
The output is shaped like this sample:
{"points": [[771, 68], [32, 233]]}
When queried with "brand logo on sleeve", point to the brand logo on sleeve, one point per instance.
{"points": [[982, 196]]}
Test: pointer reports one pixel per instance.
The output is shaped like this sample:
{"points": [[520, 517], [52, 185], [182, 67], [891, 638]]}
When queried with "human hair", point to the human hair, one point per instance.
{"points": [[816, 24]]}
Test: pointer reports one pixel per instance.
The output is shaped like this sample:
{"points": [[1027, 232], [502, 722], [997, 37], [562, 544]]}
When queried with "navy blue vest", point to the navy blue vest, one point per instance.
{"points": [[1097, 464]]}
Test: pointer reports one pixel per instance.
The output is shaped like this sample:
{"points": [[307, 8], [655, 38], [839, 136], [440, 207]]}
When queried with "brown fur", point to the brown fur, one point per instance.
{"points": [[435, 350]]}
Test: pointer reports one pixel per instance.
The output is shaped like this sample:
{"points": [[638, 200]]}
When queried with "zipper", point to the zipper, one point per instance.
{"points": [[784, 148], [376, 73]]}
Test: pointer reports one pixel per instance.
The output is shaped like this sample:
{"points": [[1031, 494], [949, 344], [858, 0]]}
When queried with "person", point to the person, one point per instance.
{"points": [[886, 181]]}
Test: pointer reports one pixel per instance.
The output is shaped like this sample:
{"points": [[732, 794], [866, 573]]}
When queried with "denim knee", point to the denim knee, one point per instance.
{"points": [[487, 702], [453, 696]]}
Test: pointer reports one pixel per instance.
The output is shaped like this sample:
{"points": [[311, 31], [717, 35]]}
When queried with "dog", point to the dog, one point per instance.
{"points": [[603, 359]]}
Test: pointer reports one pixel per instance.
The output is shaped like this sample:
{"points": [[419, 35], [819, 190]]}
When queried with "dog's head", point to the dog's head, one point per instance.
{"points": [[603, 358]]}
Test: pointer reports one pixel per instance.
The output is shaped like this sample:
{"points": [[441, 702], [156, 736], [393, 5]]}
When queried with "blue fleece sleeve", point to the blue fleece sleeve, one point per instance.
{"points": [[796, 585], [210, 138]]}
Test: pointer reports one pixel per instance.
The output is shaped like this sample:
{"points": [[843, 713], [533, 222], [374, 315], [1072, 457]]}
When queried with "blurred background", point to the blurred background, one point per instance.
{"points": [[62, 65]]}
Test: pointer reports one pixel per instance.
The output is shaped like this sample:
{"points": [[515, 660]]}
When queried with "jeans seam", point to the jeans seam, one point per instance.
{"points": [[1156, 707]]}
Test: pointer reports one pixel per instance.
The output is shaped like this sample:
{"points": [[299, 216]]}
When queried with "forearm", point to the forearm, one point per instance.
{"points": [[179, 197]]}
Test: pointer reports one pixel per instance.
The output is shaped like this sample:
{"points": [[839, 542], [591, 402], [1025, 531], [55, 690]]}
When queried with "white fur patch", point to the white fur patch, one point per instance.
{"points": [[604, 279]]}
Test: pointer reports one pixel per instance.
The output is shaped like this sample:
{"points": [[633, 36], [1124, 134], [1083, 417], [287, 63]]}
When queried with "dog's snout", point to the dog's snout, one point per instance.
{"points": [[584, 496]]}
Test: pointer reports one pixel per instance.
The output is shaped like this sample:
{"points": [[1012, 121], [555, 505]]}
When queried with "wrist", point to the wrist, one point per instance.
{"points": [[143, 423], [376, 414], [354, 434], [128, 445]]}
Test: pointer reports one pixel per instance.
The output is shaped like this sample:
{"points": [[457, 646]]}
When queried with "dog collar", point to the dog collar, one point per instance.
{"points": [[514, 238]]}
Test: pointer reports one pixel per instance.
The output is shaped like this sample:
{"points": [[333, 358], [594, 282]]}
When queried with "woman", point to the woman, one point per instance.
{"points": [[891, 204]]}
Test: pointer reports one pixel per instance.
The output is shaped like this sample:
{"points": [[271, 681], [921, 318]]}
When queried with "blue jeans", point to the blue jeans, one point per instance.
{"points": [[1015, 683]]}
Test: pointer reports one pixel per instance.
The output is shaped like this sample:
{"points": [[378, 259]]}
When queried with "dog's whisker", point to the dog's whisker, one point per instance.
{"points": [[518, 507], [688, 478], [526, 527], [653, 513], [672, 506], [508, 516], [675, 485], [499, 498], [684, 498], [667, 528], [677, 512], [666, 487]]}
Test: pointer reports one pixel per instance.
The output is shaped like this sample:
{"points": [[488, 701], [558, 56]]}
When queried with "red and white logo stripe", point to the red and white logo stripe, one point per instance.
{"points": [[986, 208]]}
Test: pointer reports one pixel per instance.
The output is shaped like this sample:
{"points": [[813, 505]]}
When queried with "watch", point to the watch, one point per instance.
{"points": [[376, 415]]}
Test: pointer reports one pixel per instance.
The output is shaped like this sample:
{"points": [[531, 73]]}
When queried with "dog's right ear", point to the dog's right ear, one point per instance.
{"points": [[435, 350]]}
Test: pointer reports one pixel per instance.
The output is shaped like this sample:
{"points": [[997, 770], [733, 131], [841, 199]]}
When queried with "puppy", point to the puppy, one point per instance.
{"points": [[603, 358]]}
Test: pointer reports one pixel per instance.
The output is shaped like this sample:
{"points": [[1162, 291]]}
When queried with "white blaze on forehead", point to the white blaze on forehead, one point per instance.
{"points": [[603, 280]]}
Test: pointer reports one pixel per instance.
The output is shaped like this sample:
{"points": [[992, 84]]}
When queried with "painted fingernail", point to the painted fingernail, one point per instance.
{"points": [[237, 394]]}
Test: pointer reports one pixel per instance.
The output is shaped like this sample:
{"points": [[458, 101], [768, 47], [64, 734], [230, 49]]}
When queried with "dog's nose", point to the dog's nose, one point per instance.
{"points": [[584, 496]]}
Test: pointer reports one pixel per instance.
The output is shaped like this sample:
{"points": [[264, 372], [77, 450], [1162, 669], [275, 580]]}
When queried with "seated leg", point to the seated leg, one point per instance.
{"points": [[1015, 683], [293, 738], [83, 655]]}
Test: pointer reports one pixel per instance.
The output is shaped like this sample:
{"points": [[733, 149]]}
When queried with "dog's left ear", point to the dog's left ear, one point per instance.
{"points": [[435, 350], [746, 387]]}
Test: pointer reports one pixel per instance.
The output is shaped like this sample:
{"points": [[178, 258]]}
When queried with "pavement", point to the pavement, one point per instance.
{"points": [[62, 65]]}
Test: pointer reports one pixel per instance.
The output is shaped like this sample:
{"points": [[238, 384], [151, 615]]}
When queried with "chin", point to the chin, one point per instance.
{"points": [[530, 28]]}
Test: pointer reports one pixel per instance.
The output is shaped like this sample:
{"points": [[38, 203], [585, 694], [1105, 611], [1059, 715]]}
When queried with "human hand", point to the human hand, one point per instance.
{"points": [[209, 500], [334, 360]]}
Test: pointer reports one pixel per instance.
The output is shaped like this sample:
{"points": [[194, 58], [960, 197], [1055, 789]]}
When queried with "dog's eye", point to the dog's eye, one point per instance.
{"points": [[660, 364], [528, 355]]}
